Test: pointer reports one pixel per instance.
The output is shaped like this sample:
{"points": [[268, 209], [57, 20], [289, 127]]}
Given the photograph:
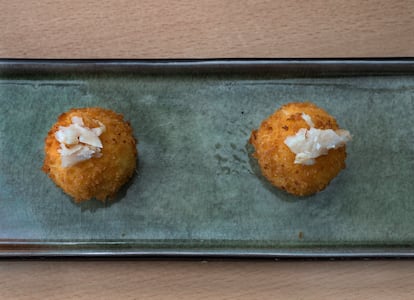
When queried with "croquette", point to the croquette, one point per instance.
{"points": [[90, 153], [300, 148]]}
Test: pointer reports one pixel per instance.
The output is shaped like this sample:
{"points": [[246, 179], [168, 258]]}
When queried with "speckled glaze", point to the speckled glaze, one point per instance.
{"points": [[197, 186]]}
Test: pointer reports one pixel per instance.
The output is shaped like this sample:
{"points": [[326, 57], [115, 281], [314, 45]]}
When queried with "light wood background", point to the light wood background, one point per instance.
{"points": [[202, 29], [206, 29], [206, 280]]}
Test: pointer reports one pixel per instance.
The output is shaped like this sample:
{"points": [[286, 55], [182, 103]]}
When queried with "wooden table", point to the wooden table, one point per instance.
{"points": [[206, 29]]}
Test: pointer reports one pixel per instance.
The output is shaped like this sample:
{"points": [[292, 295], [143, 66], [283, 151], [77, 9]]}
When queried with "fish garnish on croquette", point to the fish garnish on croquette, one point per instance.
{"points": [[309, 144], [78, 142]]}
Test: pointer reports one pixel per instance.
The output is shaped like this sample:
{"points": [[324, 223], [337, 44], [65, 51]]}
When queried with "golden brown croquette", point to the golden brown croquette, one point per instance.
{"points": [[98, 177], [277, 161]]}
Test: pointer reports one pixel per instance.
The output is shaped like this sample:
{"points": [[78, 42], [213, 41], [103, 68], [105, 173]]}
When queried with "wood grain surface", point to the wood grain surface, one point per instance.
{"points": [[206, 29], [206, 280]]}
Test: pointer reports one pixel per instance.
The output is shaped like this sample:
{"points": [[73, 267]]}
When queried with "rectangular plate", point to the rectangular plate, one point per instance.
{"points": [[197, 191]]}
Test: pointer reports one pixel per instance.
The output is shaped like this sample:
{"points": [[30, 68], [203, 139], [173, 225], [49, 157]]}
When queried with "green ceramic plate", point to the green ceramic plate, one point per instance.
{"points": [[197, 190]]}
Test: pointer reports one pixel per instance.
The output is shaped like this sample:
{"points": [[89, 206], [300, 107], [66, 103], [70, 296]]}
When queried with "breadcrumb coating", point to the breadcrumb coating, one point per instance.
{"points": [[276, 160], [98, 177]]}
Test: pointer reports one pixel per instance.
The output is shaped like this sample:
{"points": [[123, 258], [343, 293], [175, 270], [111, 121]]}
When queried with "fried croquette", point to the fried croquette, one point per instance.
{"points": [[321, 155], [90, 153]]}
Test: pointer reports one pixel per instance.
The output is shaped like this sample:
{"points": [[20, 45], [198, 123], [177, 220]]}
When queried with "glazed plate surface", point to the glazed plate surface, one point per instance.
{"points": [[197, 190]]}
